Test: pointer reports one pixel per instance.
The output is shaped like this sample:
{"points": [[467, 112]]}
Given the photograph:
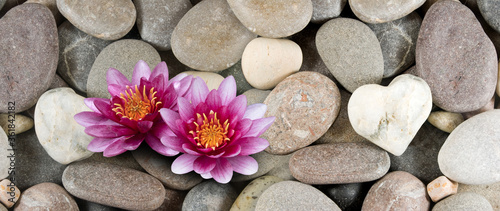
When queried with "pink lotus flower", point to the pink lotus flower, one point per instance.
{"points": [[215, 131], [131, 115]]}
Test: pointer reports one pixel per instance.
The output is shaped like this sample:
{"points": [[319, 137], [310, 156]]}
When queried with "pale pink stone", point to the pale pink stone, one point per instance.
{"points": [[441, 187], [9, 193]]}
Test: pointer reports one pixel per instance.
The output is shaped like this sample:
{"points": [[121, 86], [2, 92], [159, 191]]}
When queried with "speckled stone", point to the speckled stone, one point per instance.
{"points": [[441, 187], [28, 55], [397, 190], [398, 40], [113, 186], [160, 167], [210, 37], [256, 96], [52, 5], [20, 123], [274, 19], [490, 10], [351, 51], [489, 106], [445, 121], [242, 84], [456, 58], [305, 105], [156, 20], [326, 10], [247, 200], [121, 55], [46, 196], [383, 10], [9, 193], [490, 192], [125, 159], [339, 163], [77, 52], [463, 201], [210, 195], [108, 21], [471, 153], [291, 195], [213, 80]]}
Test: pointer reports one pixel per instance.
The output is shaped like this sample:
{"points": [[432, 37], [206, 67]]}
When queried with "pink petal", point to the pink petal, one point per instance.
{"points": [[199, 91], [204, 164], [141, 70], [170, 117], [259, 126], [190, 149], [183, 84], [157, 146], [218, 155], [206, 175], [89, 118], [105, 109], [100, 144], [255, 111], [252, 145], [213, 100], [183, 164], [223, 172], [133, 142], [231, 151], [144, 126], [114, 149], [186, 110], [108, 131], [245, 165], [90, 102], [115, 77], [227, 90], [244, 126], [160, 69], [173, 142], [237, 107]]}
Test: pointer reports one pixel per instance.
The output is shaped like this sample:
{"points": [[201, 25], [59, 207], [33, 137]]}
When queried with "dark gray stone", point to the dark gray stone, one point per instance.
{"points": [[209, 195], [490, 10], [241, 83]]}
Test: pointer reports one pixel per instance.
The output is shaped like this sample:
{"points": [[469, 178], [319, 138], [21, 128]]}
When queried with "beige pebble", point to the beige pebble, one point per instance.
{"points": [[266, 62], [445, 121], [20, 124], [248, 198], [212, 80], [9, 193], [441, 187]]}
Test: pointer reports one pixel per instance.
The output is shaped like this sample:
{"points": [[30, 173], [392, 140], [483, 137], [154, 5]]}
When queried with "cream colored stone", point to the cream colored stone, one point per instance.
{"points": [[5, 154], [248, 198], [441, 187], [212, 80], [59, 134], [9, 193], [498, 81], [266, 62], [445, 121], [20, 124], [391, 116]]}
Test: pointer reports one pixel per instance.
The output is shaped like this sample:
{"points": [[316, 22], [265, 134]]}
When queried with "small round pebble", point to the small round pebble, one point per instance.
{"points": [[9, 193], [46, 196], [20, 123], [382, 11], [463, 202], [445, 121], [5, 161], [247, 200], [210, 195]]}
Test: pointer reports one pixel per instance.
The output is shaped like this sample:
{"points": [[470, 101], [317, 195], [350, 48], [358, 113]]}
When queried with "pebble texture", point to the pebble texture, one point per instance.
{"points": [[292, 195], [339, 163], [121, 55], [471, 153], [210, 37], [4, 161], [490, 192], [46, 196], [9, 193], [462, 202], [279, 18], [108, 21], [397, 190], [247, 200], [256, 96], [52, 5], [441, 187], [156, 20], [210, 195], [326, 10], [490, 10], [113, 186], [445, 121], [77, 52], [305, 105], [383, 10], [28, 55], [21, 123], [351, 51], [456, 58]]}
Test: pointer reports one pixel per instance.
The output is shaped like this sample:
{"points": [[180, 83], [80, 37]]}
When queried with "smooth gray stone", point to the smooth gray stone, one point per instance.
{"points": [[490, 10], [463, 202], [209, 195]]}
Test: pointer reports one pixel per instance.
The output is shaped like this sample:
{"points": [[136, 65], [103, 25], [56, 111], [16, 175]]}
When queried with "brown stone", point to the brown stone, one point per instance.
{"points": [[46, 196]]}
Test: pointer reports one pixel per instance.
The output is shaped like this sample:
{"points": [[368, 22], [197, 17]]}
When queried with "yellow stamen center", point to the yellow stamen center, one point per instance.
{"points": [[211, 133], [136, 105]]}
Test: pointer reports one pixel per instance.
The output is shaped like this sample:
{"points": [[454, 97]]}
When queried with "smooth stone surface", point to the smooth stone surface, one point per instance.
{"points": [[107, 21], [445, 121], [125, 159], [490, 192], [398, 40], [247, 200], [20, 123], [397, 190], [471, 153], [391, 116], [291, 195], [77, 52], [156, 20], [348, 196], [9, 193], [2, 208], [489, 106], [305, 105], [326, 10], [440, 188], [210, 195], [256, 96], [4, 161], [209, 37], [351, 51], [212, 80], [159, 166], [462, 202], [274, 19], [46, 196], [28, 55], [52, 5], [121, 55], [113, 186], [384, 10], [339, 163], [266, 62], [59, 134], [242, 84], [456, 58], [490, 10]]}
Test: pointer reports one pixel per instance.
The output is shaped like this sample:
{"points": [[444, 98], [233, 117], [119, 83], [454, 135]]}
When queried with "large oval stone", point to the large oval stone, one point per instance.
{"points": [[28, 55], [471, 154], [305, 105], [113, 186], [382, 11], [339, 163], [456, 58], [209, 37]]}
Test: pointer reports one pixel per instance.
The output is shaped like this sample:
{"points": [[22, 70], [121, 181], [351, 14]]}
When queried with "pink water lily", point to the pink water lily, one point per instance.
{"points": [[215, 131], [132, 114]]}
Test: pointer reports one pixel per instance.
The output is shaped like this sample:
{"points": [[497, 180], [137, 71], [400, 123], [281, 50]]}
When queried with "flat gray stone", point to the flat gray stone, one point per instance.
{"points": [[462, 202], [209, 195]]}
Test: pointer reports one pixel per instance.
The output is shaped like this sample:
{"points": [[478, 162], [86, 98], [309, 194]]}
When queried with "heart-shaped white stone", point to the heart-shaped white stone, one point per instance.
{"points": [[391, 116]]}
